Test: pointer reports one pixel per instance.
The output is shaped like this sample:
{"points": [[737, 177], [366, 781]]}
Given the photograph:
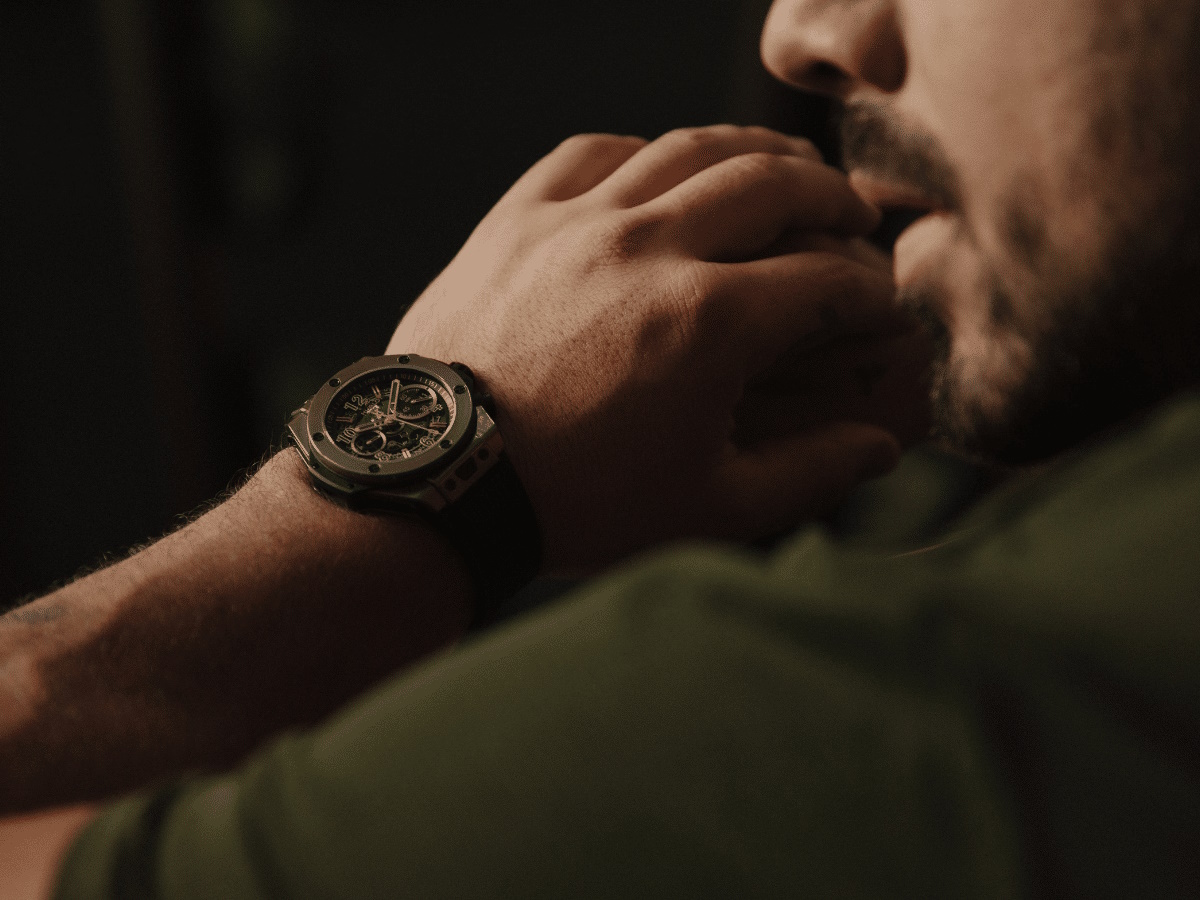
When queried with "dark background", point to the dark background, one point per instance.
{"points": [[207, 207]]}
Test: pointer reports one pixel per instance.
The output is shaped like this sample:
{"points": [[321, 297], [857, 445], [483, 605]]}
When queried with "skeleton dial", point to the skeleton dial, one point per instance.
{"points": [[390, 414]]}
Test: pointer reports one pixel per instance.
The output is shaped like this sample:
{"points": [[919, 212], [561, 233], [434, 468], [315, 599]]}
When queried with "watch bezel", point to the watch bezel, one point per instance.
{"points": [[359, 470]]}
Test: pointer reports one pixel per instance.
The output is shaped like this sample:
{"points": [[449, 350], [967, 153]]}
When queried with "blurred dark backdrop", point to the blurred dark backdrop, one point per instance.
{"points": [[207, 207]]}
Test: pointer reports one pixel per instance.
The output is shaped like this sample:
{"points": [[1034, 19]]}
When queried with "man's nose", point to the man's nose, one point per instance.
{"points": [[835, 47]]}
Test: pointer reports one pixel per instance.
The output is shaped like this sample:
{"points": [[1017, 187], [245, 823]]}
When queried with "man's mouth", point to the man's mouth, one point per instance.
{"points": [[902, 205]]}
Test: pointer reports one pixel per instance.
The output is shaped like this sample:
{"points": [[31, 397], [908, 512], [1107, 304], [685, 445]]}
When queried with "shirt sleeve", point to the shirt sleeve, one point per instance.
{"points": [[687, 728]]}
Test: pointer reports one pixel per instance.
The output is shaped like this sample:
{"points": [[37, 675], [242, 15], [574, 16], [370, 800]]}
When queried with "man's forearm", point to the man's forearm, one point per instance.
{"points": [[267, 612]]}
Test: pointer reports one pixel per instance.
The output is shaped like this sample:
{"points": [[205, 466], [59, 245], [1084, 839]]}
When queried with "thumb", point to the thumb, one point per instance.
{"points": [[783, 482]]}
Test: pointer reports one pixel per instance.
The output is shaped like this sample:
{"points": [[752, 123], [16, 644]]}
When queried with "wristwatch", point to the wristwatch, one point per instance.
{"points": [[403, 433]]}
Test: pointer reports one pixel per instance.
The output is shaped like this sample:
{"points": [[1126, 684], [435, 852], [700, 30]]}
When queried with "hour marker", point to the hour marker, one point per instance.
{"points": [[344, 419], [377, 392]]}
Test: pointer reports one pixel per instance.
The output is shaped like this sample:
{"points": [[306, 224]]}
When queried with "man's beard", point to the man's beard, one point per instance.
{"points": [[1105, 348], [1079, 351]]}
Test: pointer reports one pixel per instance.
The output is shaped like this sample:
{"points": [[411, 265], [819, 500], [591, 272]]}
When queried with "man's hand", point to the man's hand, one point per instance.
{"points": [[618, 301]]}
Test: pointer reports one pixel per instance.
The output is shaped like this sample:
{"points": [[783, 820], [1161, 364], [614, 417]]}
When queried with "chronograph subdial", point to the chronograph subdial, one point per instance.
{"points": [[385, 442], [367, 443], [390, 415], [416, 401]]}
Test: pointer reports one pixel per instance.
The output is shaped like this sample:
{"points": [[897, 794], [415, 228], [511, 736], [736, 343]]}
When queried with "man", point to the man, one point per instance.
{"points": [[1013, 710]]}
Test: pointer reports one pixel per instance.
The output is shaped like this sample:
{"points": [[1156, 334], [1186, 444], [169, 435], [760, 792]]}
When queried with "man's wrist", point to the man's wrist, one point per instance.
{"points": [[389, 542], [268, 612]]}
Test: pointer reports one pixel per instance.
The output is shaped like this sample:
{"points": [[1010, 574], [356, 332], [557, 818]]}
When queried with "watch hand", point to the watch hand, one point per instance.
{"points": [[390, 420], [411, 425], [393, 397]]}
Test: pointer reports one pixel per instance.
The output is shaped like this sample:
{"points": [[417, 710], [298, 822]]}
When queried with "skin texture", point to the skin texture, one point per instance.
{"points": [[691, 264], [635, 307], [1055, 143], [268, 612], [620, 303], [32, 849]]}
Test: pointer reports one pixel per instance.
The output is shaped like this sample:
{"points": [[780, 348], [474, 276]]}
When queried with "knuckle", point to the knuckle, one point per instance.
{"points": [[684, 138], [712, 144], [668, 328], [724, 131], [579, 140], [595, 141], [840, 279], [760, 167], [700, 139], [628, 237], [789, 145], [808, 146], [699, 307], [762, 133], [624, 140]]}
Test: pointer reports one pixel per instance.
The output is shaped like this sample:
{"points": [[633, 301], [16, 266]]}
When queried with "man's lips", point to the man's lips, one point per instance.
{"points": [[916, 226], [890, 195]]}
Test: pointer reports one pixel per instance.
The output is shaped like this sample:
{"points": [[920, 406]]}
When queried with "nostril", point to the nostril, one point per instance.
{"points": [[887, 71], [825, 77]]}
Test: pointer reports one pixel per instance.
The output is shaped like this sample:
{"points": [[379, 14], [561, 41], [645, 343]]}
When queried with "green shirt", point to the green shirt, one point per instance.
{"points": [[1013, 711]]}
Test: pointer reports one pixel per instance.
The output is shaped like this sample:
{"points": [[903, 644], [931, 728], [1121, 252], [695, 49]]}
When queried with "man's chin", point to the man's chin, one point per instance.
{"points": [[1057, 407], [1019, 396]]}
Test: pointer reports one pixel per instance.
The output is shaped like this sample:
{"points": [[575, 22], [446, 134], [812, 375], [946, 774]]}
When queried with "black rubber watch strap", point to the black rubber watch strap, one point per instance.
{"points": [[494, 527]]}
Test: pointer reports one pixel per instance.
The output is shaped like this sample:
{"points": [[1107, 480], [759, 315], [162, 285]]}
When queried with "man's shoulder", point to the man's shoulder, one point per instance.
{"points": [[1104, 539], [1101, 543]]}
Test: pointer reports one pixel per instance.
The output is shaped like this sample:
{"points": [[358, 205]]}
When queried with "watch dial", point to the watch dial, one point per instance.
{"points": [[390, 414]]}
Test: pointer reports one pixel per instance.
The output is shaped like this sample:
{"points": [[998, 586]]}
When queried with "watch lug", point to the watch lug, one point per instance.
{"points": [[472, 465], [297, 427], [481, 397]]}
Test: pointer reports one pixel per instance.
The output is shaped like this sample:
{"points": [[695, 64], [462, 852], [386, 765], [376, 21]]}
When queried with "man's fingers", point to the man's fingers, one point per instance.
{"points": [[576, 166], [736, 209], [678, 155], [800, 301], [858, 249], [777, 485], [881, 380]]}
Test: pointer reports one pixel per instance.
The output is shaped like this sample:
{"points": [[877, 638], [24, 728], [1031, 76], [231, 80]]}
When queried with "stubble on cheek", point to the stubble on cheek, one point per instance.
{"points": [[986, 318], [1077, 312], [981, 362], [1051, 343]]}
